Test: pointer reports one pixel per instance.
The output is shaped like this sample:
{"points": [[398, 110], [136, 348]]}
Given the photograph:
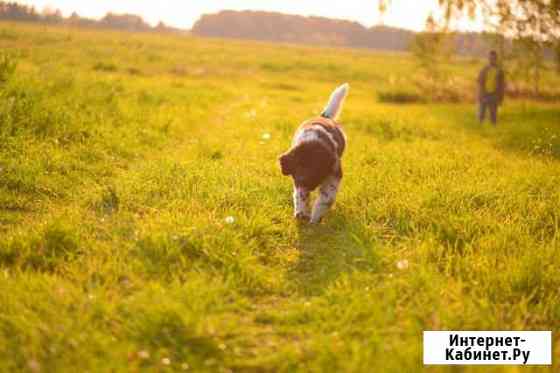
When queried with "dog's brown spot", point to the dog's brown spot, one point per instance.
{"points": [[313, 163], [332, 127]]}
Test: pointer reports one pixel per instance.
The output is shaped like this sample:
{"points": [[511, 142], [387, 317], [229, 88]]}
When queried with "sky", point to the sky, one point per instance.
{"points": [[410, 14]]}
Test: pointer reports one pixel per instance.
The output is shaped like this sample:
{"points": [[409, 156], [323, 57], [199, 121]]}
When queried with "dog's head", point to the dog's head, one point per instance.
{"points": [[308, 163]]}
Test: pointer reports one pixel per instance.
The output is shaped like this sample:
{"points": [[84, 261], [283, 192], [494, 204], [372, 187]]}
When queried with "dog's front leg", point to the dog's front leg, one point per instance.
{"points": [[301, 203], [327, 196]]}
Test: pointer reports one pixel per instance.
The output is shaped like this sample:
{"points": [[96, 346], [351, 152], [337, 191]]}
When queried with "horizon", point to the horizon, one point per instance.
{"points": [[401, 13]]}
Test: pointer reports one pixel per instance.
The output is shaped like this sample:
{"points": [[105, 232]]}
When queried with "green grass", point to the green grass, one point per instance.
{"points": [[122, 155]]}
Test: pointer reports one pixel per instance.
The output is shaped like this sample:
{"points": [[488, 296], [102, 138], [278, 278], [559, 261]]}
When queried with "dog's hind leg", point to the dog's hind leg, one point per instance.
{"points": [[327, 196], [301, 203]]}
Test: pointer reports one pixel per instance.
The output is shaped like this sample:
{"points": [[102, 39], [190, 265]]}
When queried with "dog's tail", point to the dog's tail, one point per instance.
{"points": [[334, 107]]}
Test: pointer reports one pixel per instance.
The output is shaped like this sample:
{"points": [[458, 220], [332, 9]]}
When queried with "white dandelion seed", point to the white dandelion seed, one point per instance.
{"points": [[165, 361], [34, 365], [402, 264], [143, 354], [266, 136], [230, 220], [210, 362], [252, 114], [185, 366]]}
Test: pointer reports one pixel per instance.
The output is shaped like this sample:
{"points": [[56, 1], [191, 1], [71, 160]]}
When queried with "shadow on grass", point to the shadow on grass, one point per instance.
{"points": [[339, 245]]}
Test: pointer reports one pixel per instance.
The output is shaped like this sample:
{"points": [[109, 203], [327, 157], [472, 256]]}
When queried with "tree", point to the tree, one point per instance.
{"points": [[528, 62], [17, 12], [533, 25], [557, 56], [433, 48], [130, 22], [51, 15], [538, 20], [534, 21]]}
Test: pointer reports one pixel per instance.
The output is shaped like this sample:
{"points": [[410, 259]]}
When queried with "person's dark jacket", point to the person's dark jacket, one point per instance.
{"points": [[487, 87]]}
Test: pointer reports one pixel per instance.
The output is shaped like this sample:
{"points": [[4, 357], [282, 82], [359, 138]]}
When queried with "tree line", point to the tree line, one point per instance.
{"points": [[12, 11], [272, 26]]}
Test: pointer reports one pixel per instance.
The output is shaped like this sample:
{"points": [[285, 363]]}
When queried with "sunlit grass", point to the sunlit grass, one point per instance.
{"points": [[144, 222]]}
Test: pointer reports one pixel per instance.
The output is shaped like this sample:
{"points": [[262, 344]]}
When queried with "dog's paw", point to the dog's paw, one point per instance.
{"points": [[315, 221], [302, 217]]}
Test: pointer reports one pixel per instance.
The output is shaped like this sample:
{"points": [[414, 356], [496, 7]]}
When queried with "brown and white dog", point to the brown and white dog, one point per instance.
{"points": [[315, 159]]}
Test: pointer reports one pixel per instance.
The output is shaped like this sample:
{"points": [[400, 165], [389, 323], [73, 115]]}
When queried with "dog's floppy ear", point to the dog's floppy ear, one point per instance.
{"points": [[287, 163]]}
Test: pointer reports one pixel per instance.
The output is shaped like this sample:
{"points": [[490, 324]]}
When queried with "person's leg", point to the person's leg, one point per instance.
{"points": [[493, 106], [482, 109]]}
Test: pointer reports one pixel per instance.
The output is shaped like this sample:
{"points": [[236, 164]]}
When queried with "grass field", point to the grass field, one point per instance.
{"points": [[145, 225]]}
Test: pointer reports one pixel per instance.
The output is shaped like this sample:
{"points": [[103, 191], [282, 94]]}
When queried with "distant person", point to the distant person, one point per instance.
{"points": [[491, 89]]}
